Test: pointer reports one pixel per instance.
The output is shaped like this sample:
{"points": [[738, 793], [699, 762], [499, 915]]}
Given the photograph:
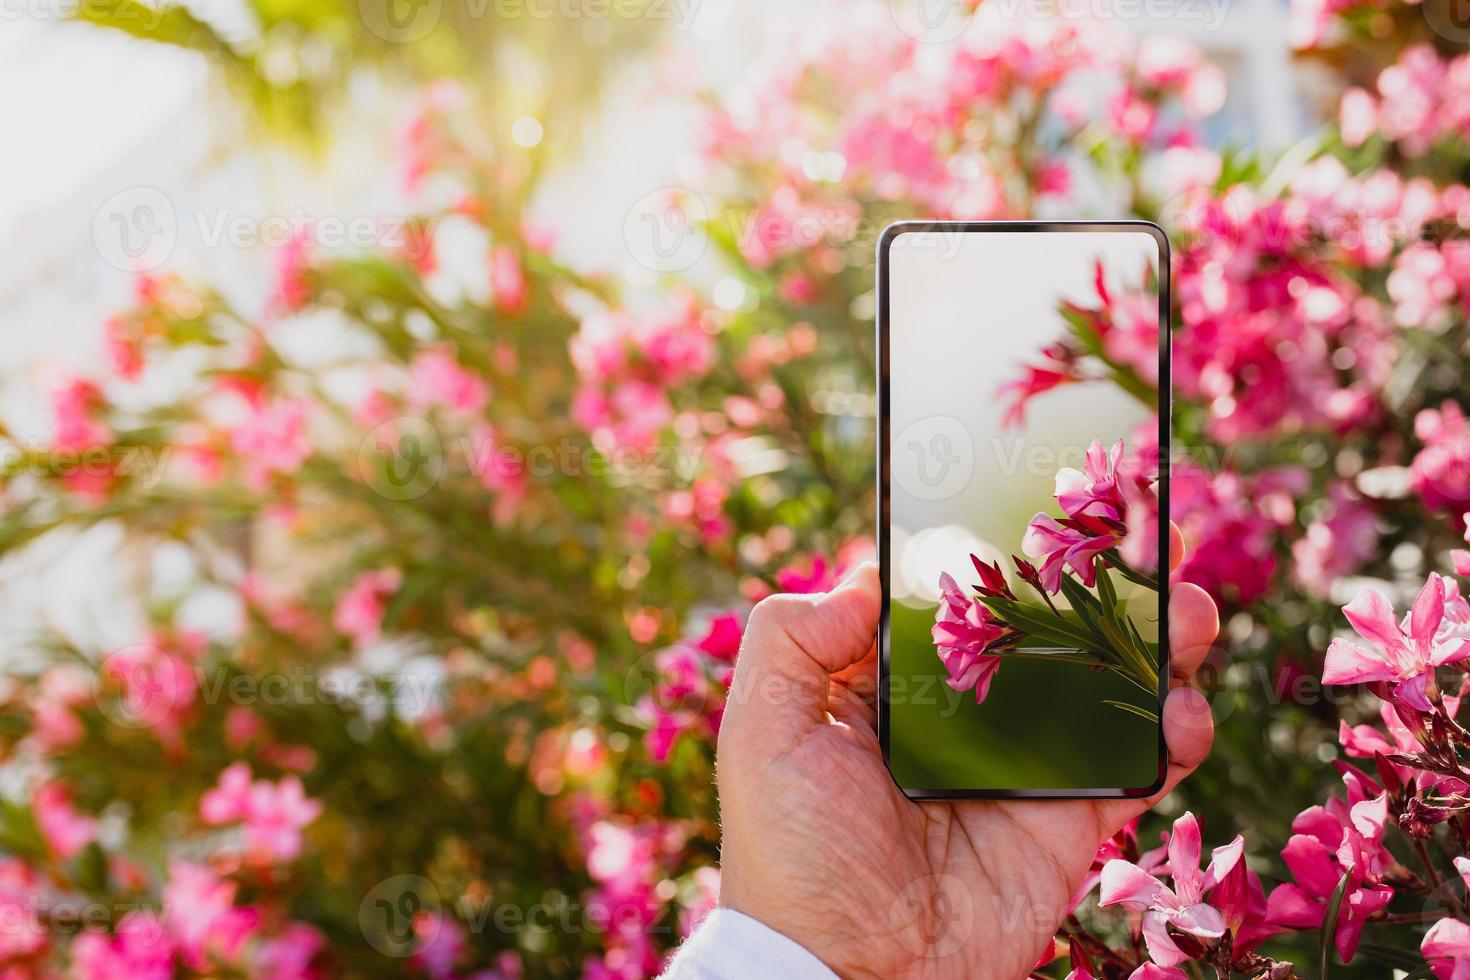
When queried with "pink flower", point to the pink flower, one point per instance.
{"points": [[1328, 843], [963, 631], [75, 405], [65, 830], [722, 639], [293, 265], [138, 949], [24, 934], [1077, 544], [230, 797], [1402, 656], [1096, 489], [272, 441], [1441, 471], [440, 944], [275, 816], [359, 610], [507, 279], [1337, 544], [1357, 116], [289, 954], [200, 913], [436, 378], [1181, 907], [1447, 943]]}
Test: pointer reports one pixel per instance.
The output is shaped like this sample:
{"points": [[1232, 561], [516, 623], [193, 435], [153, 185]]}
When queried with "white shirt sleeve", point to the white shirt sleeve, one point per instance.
{"points": [[730, 945]]}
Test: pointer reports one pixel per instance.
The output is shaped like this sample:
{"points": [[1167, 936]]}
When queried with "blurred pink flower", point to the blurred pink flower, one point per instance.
{"points": [[439, 944], [507, 279], [1336, 544], [1447, 943], [436, 378], [293, 263], [229, 798], [23, 934], [200, 912], [138, 949], [64, 829], [1328, 843], [76, 404], [1440, 473], [272, 441], [1403, 656], [963, 633], [275, 816], [1181, 907], [359, 610], [288, 955]]}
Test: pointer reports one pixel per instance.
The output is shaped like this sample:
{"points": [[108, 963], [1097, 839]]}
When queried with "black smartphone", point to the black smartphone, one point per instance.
{"points": [[1023, 441]]}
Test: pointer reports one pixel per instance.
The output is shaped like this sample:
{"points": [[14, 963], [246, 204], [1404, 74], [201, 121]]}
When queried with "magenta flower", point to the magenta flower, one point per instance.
{"points": [[1447, 943], [963, 631], [1329, 842], [1181, 907], [65, 830], [359, 610], [202, 916], [276, 814], [436, 378], [138, 949], [1403, 656], [1058, 546]]}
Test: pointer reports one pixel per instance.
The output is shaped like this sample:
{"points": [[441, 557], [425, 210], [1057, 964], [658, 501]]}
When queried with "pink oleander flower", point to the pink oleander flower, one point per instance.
{"points": [[75, 405], [1075, 544], [439, 944], [722, 639], [293, 265], [1369, 742], [275, 816], [138, 949], [359, 610], [963, 632], [1145, 971], [1460, 556], [272, 441], [1337, 544], [1441, 471], [1182, 906], [1402, 656], [1447, 943], [507, 279], [227, 801], [64, 829], [288, 955], [436, 378], [24, 934], [201, 914], [1341, 838]]}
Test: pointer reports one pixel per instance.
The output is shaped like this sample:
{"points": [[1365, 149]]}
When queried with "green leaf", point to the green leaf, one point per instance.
{"points": [[1329, 929], [1132, 709], [1041, 623]]}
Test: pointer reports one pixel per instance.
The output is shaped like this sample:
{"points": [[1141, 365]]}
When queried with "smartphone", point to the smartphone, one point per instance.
{"points": [[1023, 441]]}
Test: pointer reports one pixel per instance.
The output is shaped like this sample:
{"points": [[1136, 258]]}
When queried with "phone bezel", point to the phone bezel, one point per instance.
{"points": [[885, 241]]}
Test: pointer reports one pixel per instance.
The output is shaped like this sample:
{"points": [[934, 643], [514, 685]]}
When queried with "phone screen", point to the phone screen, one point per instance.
{"points": [[1024, 424]]}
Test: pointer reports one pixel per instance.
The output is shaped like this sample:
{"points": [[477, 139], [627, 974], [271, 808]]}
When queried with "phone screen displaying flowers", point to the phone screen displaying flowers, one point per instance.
{"points": [[1020, 396]]}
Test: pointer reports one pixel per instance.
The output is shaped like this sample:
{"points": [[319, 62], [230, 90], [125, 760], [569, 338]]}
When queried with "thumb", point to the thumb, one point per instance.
{"points": [[794, 644]]}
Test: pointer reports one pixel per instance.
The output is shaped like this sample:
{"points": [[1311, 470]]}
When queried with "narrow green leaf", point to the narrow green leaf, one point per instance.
{"points": [[1329, 929], [1132, 709]]}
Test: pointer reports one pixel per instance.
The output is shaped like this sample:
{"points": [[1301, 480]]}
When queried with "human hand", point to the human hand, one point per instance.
{"points": [[819, 844]]}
